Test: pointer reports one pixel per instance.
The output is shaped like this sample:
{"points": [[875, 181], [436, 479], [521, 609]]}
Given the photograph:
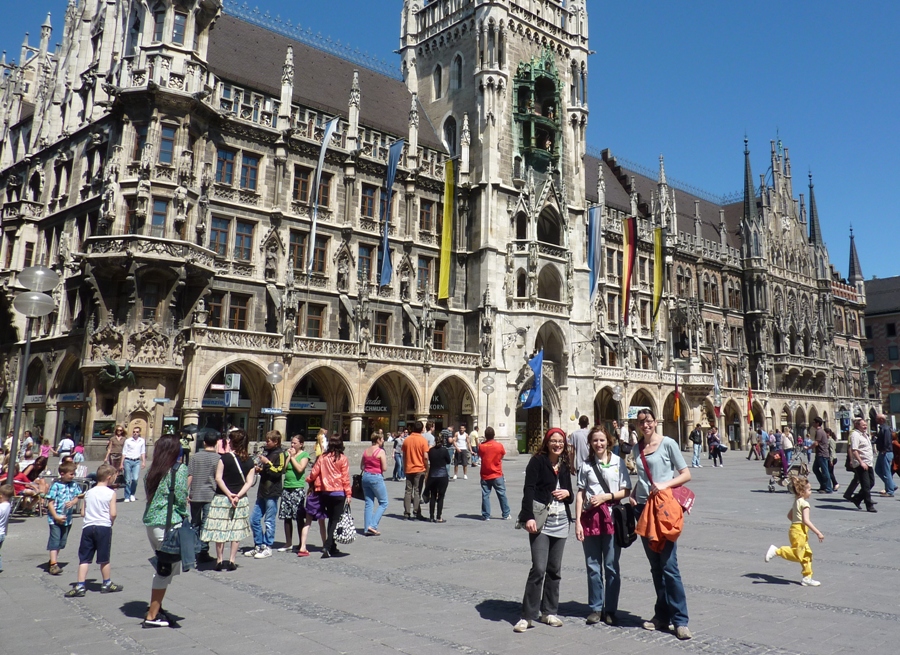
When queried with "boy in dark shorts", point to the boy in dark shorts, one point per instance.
{"points": [[99, 512], [62, 499]]}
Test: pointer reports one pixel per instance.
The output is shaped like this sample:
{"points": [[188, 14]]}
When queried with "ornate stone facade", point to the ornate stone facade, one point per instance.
{"points": [[173, 190]]}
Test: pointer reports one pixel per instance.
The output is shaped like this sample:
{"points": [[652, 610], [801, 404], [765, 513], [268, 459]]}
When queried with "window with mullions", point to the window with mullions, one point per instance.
{"points": [[179, 28], [159, 23], [440, 335], [238, 307], [167, 145], [365, 257], [426, 215], [315, 320], [140, 138], [895, 376], [216, 307], [382, 325], [218, 236], [303, 179], [367, 201], [243, 240], [158, 219], [249, 171], [225, 166], [150, 301], [423, 277]]}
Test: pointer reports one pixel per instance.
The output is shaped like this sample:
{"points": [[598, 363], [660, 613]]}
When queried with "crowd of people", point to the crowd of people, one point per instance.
{"points": [[613, 485]]}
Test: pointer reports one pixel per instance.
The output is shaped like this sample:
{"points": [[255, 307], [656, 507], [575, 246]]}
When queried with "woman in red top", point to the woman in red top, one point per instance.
{"points": [[330, 478]]}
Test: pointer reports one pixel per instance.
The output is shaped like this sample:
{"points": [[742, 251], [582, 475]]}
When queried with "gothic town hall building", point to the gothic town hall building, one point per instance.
{"points": [[162, 160]]}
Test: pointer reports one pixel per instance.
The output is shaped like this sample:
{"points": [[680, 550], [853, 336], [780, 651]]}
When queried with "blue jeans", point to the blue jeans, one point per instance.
{"points": [[823, 473], [601, 556], [268, 508], [2, 537], [374, 489], [698, 449], [398, 466], [499, 485], [132, 473], [883, 471], [671, 602]]}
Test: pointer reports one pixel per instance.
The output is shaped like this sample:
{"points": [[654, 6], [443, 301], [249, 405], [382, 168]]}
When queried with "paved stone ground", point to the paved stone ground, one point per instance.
{"points": [[426, 589]]}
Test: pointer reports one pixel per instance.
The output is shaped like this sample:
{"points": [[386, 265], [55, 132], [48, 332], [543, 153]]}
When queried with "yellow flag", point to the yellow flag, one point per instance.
{"points": [[659, 269], [447, 231]]}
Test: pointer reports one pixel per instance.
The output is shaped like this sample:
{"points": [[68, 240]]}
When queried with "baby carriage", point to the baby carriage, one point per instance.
{"points": [[779, 473]]}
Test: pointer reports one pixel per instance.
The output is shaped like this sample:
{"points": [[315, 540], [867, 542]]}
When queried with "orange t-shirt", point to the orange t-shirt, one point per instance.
{"points": [[415, 450], [491, 452]]}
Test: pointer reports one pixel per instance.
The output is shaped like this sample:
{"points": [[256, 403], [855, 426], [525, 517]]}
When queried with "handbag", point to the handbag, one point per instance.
{"points": [[622, 515], [683, 496], [540, 512], [345, 531], [723, 448], [169, 551], [356, 488]]}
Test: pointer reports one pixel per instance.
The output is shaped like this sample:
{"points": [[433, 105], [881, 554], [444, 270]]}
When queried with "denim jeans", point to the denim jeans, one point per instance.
{"points": [[199, 512], [698, 449], [542, 587], [398, 466], [262, 521], [374, 489], [822, 473], [2, 537], [671, 602], [499, 485], [132, 473], [601, 556], [883, 471]]}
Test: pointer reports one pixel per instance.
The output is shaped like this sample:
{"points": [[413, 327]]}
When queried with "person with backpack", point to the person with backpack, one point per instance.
{"points": [[697, 439]]}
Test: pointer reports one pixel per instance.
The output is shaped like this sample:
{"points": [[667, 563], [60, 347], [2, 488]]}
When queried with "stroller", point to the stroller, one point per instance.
{"points": [[779, 473]]}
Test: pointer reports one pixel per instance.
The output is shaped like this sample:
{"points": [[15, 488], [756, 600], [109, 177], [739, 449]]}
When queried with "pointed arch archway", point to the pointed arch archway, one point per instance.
{"points": [[606, 409], [733, 424], [670, 427], [321, 397], [452, 402], [254, 393], [392, 401]]}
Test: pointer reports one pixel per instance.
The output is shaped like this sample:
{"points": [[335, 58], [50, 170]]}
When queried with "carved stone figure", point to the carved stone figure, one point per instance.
{"points": [[289, 274], [509, 282], [185, 167], [487, 332], [115, 375], [180, 203], [404, 284], [343, 276], [271, 269], [290, 326]]}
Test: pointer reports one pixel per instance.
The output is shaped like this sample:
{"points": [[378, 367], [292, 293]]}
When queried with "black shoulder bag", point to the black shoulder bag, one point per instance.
{"points": [[622, 515]]}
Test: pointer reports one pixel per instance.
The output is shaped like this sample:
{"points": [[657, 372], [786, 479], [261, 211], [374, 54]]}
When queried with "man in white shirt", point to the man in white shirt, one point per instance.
{"points": [[862, 462], [461, 445], [66, 446], [134, 454]]}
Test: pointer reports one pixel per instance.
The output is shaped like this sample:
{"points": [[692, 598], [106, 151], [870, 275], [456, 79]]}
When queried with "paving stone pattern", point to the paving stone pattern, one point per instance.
{"points": [[429, 589]]}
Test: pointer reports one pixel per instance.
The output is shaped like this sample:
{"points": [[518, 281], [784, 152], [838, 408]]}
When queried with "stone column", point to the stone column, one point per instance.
{"points": [[190, 416], [280, 423], [51, 421], [356, 421]]}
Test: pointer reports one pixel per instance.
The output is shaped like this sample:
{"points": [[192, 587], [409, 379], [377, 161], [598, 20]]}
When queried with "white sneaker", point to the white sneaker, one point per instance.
{"points": [[133, 499], [465, 477], [522, 625], [453, 478], [252, 552], [126, 499], [772, 552], [809, 582], [552, 620], [264, 553]]}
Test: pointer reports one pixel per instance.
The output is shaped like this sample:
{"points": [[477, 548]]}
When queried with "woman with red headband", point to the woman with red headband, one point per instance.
{"points": [[545, 516]]}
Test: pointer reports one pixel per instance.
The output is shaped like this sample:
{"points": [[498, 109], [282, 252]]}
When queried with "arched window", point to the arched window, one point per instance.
{"points": [[521, 285], [679, 281], [450, 139], [714, 290], [521, 227], [548, 229], [457, 73], [437, 77], [688, 283], [549, 284], [707, 298]]}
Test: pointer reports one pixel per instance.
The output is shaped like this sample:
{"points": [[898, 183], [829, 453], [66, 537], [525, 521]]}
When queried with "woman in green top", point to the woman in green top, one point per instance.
{"points": [[293, 495], [157, 486]]}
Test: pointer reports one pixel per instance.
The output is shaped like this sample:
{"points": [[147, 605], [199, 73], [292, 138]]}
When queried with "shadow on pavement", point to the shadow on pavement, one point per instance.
{"points": [[499, 610], [852, 508], [765, 578]]}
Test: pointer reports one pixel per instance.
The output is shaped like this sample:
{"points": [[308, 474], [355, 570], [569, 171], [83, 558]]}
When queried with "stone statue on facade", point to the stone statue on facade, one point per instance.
{"points": [[290, 326], [343, 273], [532, 270], [289, 274], [179, 201], [487, 330], [271, 267], [509, 281]]}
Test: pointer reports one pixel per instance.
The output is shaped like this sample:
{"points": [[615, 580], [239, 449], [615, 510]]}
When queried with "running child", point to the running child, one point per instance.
{"points": [[799, 550]]}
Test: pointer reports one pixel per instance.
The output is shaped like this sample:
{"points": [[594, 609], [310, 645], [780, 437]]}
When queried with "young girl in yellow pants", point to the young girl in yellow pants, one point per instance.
{"points": [[799, 550]]}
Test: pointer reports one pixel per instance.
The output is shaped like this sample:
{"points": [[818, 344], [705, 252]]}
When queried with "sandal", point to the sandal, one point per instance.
{"points": [[302, 553], [372, 532], [440, 520]]}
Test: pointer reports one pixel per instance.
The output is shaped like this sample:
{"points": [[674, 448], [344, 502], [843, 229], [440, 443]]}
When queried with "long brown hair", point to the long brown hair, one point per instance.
{"points": [[566, 455], [610, 442], [165, 454], [335, 446], [239, 444]]}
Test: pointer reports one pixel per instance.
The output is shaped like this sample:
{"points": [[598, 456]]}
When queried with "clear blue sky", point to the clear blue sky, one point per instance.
{"points": [[689, 79]]}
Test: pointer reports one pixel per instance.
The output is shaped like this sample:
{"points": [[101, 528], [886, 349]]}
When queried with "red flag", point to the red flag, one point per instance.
{"points": [[676, 413], [749, 405]]}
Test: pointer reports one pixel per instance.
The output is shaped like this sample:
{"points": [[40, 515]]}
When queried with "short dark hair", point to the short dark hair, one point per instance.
{"points": [[488, 433], [210, 438], [583, 421], [417, 426], [817, 421], [66, 467]]}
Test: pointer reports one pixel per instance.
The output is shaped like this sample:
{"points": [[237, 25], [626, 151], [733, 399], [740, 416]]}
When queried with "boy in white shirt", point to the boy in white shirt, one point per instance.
{"points": [[99, 512], [6, 493]]}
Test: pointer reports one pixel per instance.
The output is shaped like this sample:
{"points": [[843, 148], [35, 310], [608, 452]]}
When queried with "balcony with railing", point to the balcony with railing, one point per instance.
{"points": [[150, 248]]}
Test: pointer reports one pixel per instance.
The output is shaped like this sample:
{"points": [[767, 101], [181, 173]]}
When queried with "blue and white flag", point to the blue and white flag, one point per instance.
{"points": [[330, 129], [535, 396], [393, 160], [595, 252]]}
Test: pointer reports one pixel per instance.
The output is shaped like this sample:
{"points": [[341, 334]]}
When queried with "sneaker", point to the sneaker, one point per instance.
{"points": [[552, 620], [593, 617], [522, 625], [54, 570], [809, 582], [111, 588], [126, 500], [682, 632], [465, 477], [253, 551], [158, 622], [771, 553], [133, 499], [655, 624], [485, 518], [263, 553], [507, 518], [286, 549], [76, 592], [453, 478]]}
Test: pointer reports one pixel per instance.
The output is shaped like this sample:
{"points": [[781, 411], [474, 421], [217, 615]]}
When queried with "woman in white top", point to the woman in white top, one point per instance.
{"points": [[594, 526]]}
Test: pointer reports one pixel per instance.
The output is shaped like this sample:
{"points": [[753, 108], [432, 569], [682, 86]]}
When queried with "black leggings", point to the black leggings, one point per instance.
{"points": [[437, 488], [334, 508]]}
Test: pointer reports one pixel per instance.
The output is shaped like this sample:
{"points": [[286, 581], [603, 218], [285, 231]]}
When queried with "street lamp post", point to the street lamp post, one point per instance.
{"points": [[33, 303], [488, 389], [273, 378]]}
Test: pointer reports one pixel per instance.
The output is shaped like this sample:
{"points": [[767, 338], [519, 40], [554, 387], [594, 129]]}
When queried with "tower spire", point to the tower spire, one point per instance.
{"points": [[815, 231], [750, 214], [856, 275]]}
